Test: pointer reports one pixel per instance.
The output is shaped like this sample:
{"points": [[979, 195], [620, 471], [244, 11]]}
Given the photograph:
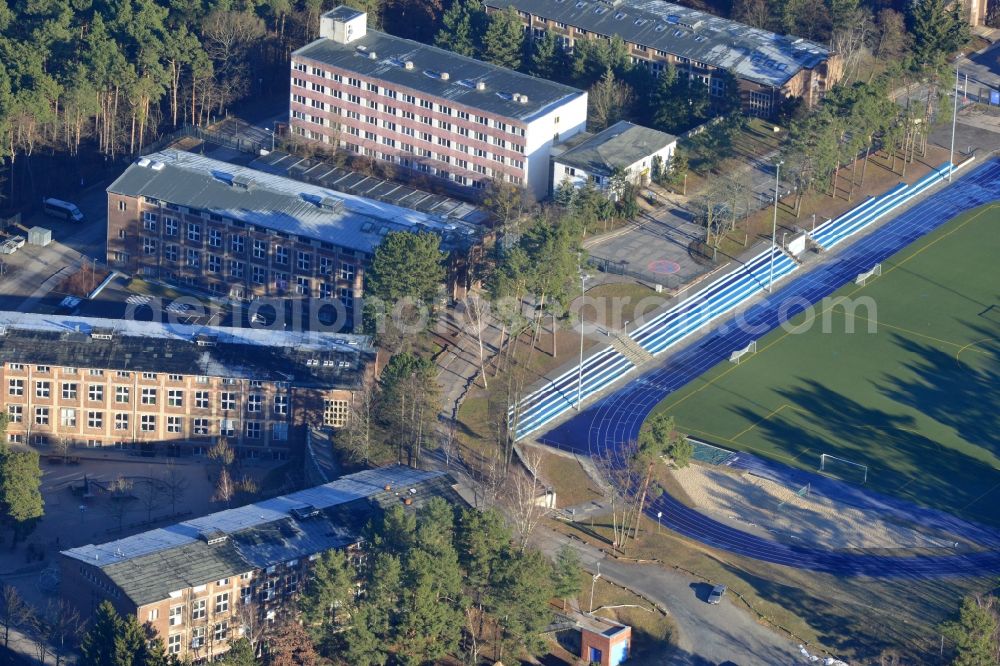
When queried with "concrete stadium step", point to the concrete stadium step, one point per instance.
{"points": [[791, 256], [629, 348]]}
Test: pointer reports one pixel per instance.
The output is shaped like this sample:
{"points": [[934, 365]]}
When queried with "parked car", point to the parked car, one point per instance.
{"points": [[19, 241], [8, 247], [717, 593]]}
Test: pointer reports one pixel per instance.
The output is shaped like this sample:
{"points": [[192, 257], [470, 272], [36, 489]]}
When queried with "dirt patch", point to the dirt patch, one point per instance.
{"points": [[771, 510], [82, 282]]}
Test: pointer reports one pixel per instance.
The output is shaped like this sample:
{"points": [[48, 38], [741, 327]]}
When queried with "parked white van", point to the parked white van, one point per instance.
{"points": [[62, 209]]}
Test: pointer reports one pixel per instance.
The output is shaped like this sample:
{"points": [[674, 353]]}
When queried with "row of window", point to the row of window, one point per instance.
{"points": [[335, 414], [214, 263], [194, 230], [389, 93], [419, 164], [260, 249], [228, 400], [96, 372], [200, 427], [403, 127], [302, 285], [419, 136]]}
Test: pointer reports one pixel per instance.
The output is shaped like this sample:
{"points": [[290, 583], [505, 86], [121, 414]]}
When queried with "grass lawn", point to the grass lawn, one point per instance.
{"points": [[917, 401], [614, 303]]}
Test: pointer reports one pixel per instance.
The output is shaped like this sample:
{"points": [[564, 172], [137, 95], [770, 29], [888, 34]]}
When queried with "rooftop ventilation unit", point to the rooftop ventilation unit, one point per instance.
{"points": [[157, 166], [206, 340], [242, 182], [213, 537], [516, 97], [304, 512], [331, 203], [144, 162], [361, 49], [445, 76], [524, 99], [480, 85], [408, 64], [373, 56], [102, 333]]}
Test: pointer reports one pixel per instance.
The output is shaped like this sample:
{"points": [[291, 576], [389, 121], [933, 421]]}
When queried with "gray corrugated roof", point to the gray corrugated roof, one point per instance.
{"points": [[619, 146], [750, 53], [429, 62], [149, 566], [274, 202], [140, 346]]}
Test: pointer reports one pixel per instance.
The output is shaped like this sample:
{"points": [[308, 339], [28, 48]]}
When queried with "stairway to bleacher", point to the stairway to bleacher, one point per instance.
{"points": [[629, 348]]}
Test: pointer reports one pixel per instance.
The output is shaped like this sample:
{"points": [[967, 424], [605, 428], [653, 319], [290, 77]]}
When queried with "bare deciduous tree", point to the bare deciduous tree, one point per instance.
{"points": [[359, 426], [150, 494], [222, 453], [174, 486], [14, 612], [38, 630], [60, 446], [478, 310], [251, 619], [64, 628], [225, 488], [609, 101], [120, 499], [527, 499]]}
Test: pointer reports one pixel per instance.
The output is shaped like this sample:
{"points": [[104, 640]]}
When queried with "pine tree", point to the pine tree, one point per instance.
{"points": [[975, 633], [328, 594], [523, 585], [462, 28], [407, 265], [240, 653], [20, 479], [374, 626], [116, 641], [504, 39], [938, 29], [547, 57], [566, 573]]}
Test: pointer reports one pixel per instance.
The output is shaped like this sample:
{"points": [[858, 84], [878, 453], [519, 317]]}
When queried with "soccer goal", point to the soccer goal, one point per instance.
{"points": [[842, 468], [874, 271], [737, 355]]}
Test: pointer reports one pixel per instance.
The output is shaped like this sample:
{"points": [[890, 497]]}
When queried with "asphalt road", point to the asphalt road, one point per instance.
{"points": [[707, 635]]}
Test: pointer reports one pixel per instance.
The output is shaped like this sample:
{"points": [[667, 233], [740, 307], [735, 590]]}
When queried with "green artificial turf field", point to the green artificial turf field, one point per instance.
{"points": [[918, 401]]}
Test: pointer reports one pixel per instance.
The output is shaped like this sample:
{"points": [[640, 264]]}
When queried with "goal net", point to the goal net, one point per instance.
{"points": [[844, 469], [737, 355], [874, 271]]}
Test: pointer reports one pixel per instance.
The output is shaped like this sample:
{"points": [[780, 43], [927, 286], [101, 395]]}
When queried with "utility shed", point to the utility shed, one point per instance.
{"points": [[39, 236]]}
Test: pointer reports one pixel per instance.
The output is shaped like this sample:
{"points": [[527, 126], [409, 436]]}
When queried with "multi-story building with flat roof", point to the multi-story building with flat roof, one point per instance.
{"points": [[200, 583], [766, 66], [428, 109], [129, 384], [242, 233], [630, 149]]}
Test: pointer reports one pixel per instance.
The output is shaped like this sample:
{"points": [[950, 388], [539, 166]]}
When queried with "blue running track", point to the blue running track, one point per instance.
{"points": [[601, 428]]}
